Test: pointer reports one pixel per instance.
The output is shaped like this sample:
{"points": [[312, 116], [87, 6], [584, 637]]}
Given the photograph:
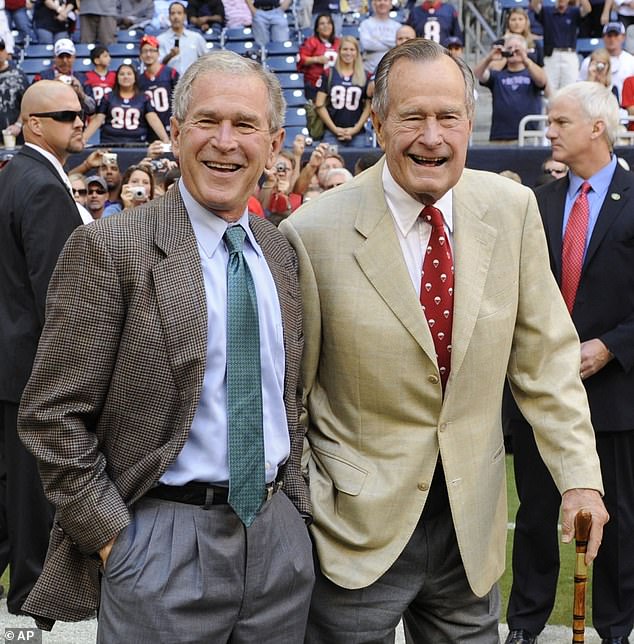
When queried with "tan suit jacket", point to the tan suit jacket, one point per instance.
{"points": [[376, 416], [117, 380]]}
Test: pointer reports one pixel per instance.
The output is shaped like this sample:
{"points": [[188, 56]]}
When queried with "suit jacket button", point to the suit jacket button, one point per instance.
{"points": [[423, 486], [433, 379]]}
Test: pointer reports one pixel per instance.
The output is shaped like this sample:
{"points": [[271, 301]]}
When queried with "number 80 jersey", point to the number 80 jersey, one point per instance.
{"points": [[125, 118], [159, 88]]}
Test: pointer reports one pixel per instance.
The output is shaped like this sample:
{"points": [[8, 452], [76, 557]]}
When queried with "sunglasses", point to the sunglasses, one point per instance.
{"points": [[96, 191], [554, 171], [82, 192], [63, 116]]}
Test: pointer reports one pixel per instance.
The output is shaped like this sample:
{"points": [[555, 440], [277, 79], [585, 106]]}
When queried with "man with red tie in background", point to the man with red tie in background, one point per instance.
{"points": [[589, 220]]}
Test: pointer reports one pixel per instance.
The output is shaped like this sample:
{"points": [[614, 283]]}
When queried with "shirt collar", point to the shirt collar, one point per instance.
{"points": [[208, 227], [599, 181], [406, 210], [55, 161]]}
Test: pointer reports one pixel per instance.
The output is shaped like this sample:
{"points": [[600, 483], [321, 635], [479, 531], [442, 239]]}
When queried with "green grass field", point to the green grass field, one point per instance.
{"points": [[562, 613]]}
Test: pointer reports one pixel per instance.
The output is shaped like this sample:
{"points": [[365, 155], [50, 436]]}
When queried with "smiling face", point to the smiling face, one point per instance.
{"points": [[224, 142], [64, 64], [125, 77], [348, 52], [426, 129], [518, 23], [325, 27]]}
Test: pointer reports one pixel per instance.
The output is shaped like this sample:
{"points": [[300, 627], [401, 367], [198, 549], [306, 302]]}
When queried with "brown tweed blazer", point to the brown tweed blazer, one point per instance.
{"points": [[117, 379]]}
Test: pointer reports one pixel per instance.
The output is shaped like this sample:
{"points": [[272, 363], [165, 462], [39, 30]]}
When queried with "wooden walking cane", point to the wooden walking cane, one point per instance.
{"points": [[583, 521]]}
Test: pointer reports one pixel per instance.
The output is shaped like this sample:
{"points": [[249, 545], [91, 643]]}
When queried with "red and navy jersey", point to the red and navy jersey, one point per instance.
{"points": [[98, 86], [435, 21], [159, 88], [125, 118], [347, 100]]}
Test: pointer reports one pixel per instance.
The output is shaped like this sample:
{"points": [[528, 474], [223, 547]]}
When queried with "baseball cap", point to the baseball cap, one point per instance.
{"points": [[614, 27], [453, 41], [97, 179], [149, 40], [64, 46]]}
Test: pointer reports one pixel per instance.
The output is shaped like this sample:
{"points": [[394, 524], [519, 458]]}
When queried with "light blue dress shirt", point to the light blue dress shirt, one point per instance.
{"points": [[205, 456], [599, 182]]}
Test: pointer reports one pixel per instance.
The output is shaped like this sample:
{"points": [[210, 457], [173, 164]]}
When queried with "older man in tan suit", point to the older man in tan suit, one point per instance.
{"points": [[403, 392]]}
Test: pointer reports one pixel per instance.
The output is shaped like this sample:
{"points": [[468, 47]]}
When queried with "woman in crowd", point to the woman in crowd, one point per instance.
{"points": [[317, 53], [275, 195], [600, 70], [137, 188], [126, 113], [342, 101], [518, 24]]}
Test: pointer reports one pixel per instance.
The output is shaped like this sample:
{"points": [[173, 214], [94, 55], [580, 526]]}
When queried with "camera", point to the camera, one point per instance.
{"points": [[166, 147], [280, 167], [308, 140], [109, 158], [333, 148], [506, 53], [600, 67], [176, 43], [138, 192], [64, 78]]}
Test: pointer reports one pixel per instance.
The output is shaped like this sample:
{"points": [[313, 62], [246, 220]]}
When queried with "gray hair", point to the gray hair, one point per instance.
{"points": [[597, 103], [333, 172], [228, 62], [417, 49]]}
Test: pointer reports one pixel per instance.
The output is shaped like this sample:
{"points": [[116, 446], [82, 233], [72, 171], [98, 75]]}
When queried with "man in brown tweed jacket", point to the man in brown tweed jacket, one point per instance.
{"points": [[126, 408]]}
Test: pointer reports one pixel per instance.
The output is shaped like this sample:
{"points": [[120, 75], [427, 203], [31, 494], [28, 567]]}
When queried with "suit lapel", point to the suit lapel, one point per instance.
{"points": [[180, 293], [381, 259], [616, 201], [473, 243]]}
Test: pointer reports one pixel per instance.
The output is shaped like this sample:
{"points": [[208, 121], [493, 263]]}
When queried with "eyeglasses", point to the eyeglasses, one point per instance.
{"points": [[96, 191], [63, 116], [82, 192]]}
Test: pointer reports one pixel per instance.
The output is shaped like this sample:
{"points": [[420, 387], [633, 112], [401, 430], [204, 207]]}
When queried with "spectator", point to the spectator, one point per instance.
{"points": [[336, 177], [518, 23], [435, 20], [454, 46], [110, 171], [561, 25], [97, 193], [377, 34], [366, 161], [599, 70], [5, 32], [53, 19], [317, 53], [13, 84], [137, 188], [206, 15], [624, 11], [126, 114], [342, 101], [135, 13], [323, 158], [18, 18], [78, 187], [62, 69], [100, 80], [592, 24], [510, 174], [237, 14], [275, 195], [621, 61], [269, 20], [157, 81], [516, 89], [554, 169], [98, 21], [180, 47], [405, 33]]}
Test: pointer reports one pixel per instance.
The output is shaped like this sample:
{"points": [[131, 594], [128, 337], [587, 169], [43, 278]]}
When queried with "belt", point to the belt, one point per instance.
{"points": [[564, 49], [202, 493]]}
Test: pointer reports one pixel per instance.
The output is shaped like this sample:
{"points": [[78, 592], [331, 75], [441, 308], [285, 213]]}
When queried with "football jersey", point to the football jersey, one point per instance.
{"points": [[97, 86], [435, 21], [159, 88], [125, 118], [346, 100]]}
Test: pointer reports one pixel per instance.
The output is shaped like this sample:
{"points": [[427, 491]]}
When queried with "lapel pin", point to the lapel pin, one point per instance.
{"points": [[615, 196]]}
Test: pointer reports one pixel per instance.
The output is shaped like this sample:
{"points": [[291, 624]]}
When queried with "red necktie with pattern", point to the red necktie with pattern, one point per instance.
{"points": [[574, 245], [436, 289]]}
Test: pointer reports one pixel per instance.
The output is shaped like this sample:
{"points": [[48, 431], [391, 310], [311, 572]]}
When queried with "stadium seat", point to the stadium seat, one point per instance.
{"points": [[115, 62], [241, 47], [290, 80], [124, 49], [38, 51], [211, 45], [281, 63], [281, 48], [83, 49], [239, 33], [292, 131], [35, 65], [294, 97], [586, 46], [295, 116], [83, 65], [129, 35]]}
